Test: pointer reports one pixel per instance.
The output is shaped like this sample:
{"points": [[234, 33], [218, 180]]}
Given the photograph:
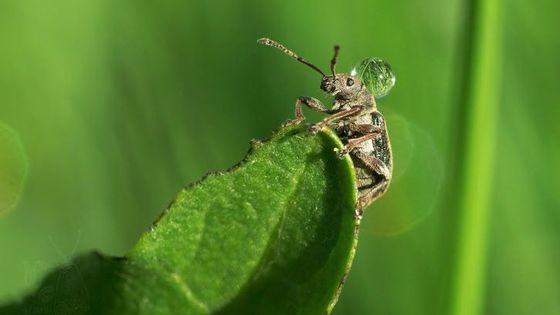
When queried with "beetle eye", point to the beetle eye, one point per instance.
{"points": [[349, 82]]}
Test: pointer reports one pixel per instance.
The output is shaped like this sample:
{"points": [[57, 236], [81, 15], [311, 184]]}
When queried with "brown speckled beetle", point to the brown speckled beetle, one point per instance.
{"points": [[356, 120]]}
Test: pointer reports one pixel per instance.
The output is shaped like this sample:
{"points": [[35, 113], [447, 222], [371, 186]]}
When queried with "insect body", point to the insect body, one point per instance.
{"points": [[356, 120]]}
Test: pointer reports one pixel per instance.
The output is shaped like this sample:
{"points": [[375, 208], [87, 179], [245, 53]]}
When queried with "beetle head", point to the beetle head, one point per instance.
{"points": [[342, 86]]}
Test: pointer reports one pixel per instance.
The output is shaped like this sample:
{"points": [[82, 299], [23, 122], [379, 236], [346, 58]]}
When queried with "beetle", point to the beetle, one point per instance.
{"points": [[357, 122]]}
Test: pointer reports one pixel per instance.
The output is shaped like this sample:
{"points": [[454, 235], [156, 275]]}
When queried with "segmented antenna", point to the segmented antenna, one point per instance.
{"points": [[333, 60], [271, 43]]}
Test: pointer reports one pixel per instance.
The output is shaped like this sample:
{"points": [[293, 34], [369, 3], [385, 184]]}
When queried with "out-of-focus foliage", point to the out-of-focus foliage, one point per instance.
{"points": [[13, 169], [120, 103]]}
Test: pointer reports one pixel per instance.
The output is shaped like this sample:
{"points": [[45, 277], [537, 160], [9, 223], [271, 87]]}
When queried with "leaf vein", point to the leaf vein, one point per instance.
{"points": [[188, 293]]}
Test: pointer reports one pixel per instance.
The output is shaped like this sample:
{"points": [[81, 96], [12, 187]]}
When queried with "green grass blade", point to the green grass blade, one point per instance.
{"points": [[483, 103]]}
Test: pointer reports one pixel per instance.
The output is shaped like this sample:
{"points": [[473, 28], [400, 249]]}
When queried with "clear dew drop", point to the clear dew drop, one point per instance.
{"points": [[377, 76]]}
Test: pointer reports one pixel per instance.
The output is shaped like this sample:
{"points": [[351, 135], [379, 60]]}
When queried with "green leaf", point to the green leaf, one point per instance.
{"points": [[274, 235]]}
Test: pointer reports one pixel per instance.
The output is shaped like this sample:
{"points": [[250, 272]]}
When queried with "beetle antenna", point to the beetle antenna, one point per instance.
{"points": [[333, 60], [271, 43]]}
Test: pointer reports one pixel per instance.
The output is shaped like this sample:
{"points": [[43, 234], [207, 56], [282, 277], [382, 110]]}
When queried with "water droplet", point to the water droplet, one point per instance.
{"points": [[377, 76]]}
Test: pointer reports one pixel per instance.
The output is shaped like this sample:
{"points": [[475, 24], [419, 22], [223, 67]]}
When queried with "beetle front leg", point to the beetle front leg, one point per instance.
{"points": [[352, 143], [356, 110], [310, 102]]}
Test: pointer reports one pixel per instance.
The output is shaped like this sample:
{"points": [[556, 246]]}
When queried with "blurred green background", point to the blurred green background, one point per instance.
{"points": [[108, 108]]}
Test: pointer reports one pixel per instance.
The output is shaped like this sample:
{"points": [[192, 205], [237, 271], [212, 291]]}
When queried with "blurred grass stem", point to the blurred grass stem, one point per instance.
{"points": [[482, 103]]}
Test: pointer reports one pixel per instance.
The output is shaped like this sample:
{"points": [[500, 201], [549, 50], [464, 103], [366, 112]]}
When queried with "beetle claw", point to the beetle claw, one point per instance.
{"points": [[341, 152], [314, 129]]}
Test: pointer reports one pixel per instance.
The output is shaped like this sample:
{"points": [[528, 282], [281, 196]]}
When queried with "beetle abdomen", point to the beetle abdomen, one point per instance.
{"points": [[381, 147]]}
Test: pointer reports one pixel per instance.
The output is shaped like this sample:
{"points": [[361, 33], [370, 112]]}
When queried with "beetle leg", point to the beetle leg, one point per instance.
{"points": [[310, 102], [336, 116], [352, 143], [371, 192], [374, 164], [364, 128], [369, 195]]}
